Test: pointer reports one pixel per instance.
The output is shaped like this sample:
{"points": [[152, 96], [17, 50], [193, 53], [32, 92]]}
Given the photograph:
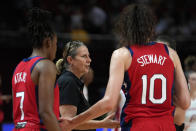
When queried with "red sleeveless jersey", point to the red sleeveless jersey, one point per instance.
{"points": [[148, 83], [25, 94]]}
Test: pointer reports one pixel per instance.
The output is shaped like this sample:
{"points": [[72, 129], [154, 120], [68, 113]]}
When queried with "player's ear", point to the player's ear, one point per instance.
{"points": [[47, 42]]}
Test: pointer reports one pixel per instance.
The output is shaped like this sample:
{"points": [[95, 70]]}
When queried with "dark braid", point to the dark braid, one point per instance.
{"points": [[136, 25], [39, 26]]}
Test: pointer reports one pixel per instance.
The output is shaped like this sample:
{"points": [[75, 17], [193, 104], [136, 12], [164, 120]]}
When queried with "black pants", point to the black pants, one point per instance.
{"points": [[179, 128]]}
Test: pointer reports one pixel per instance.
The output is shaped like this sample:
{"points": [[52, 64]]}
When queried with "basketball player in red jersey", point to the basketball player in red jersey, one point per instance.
{"points": [[35, 97], [149, 70]]}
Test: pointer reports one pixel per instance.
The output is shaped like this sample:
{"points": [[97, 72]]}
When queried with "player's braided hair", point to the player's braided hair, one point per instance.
{"points": [[39, 26], [70, 49], [136, 25]]}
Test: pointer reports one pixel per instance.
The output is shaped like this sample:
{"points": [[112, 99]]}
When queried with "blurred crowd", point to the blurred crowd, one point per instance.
{"points": [[176, 17]]}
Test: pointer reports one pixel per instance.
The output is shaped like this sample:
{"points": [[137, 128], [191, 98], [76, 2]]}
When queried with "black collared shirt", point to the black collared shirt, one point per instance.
{"points": [[71, 92]]}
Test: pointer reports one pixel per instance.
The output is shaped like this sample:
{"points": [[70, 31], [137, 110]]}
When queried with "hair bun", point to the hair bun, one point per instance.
{"points": [[59, 66], [39, 15]]}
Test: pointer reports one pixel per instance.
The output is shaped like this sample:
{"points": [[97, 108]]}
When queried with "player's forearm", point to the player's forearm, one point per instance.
{"points": [[182, 99], [91, 124], [95, 111], [50, 121], [179, 116], [94, 124]]}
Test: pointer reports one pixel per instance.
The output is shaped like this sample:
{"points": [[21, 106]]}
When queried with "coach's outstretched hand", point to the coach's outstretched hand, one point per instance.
{"points": [[108, 122], [65, 123]]}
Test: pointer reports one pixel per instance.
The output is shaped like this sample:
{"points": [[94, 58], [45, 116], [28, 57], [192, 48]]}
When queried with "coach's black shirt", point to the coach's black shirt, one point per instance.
{"points": [[71, 92]]}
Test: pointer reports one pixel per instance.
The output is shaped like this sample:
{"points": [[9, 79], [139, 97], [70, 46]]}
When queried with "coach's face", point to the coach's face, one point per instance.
{"points": [[81, 62]]}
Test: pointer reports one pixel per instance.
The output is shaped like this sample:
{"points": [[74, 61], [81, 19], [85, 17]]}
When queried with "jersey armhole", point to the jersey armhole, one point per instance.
{"points": [[166, 49], [36, 63], [130, 50]]}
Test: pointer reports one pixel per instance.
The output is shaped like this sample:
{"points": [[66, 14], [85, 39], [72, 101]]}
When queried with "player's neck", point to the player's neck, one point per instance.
{"points": [[38, 52]]}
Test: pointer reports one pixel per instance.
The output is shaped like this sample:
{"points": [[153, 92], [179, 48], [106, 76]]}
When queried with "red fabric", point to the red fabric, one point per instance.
{"points": [[31, 127], [25, 94], [153, 124], [151, 73], [27, 129]]}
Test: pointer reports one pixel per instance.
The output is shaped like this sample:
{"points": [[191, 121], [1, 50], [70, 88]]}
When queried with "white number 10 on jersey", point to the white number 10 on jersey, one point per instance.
{"points": [[151, 91]]}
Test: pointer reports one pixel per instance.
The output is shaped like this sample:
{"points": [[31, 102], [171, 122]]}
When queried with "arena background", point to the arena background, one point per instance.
{"points": [[93, 21]]}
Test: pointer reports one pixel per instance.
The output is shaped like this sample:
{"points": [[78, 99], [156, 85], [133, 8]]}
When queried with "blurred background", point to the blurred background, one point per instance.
{"points": [[90, 21]]}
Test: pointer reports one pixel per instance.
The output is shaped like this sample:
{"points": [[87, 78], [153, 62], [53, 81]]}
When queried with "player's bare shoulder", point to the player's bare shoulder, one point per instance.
{"points": [[122, 54], [173, 55], [46, 65]]}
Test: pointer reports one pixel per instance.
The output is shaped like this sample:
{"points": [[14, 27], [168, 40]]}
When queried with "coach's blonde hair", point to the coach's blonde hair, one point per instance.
{"points": [[70, 49]]}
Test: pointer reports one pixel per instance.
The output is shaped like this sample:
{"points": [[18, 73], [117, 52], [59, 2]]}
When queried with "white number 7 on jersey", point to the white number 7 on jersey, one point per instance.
{"points": [[21, 94], [151, 92]]}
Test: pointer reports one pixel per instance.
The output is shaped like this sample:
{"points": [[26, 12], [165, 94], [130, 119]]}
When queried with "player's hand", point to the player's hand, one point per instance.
{"points": [[65, 123], [108, 122]]}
